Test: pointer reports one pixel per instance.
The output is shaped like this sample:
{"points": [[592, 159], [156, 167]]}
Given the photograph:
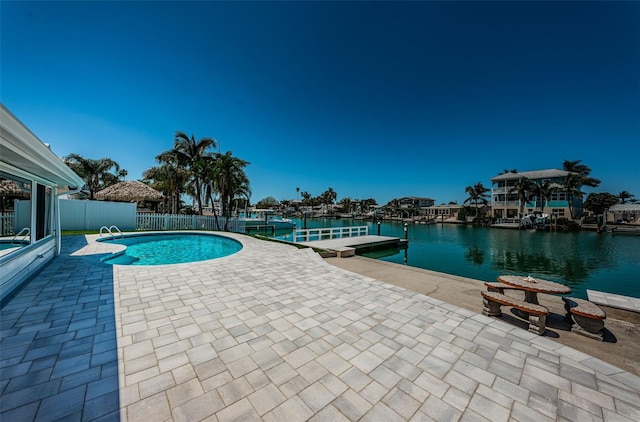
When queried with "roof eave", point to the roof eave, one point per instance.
{"points": [[22, 150]]}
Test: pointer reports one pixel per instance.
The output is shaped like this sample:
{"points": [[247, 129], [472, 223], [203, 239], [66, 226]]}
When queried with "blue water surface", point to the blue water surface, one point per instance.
{"points": [[159, 249]]}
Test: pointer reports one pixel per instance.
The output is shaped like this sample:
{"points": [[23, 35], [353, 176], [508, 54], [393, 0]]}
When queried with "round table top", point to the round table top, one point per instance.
{"points": [[534, 284]]}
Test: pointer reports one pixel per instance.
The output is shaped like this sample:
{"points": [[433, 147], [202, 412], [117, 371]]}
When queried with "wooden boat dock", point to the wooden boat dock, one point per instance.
{"points": [[346, 240], [364, 242]]}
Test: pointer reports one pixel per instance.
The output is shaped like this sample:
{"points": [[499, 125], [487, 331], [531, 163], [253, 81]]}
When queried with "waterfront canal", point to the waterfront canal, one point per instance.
{"points": [[582, 260]]}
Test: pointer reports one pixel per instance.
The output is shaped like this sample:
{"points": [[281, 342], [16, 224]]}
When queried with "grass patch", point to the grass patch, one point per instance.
{"points": [[76, 232]]}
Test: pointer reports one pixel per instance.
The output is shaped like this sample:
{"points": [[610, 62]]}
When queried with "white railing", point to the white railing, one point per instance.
{"points": [[508, 221], [506, 203], [309, 235], [187, 222], [6, 224]]}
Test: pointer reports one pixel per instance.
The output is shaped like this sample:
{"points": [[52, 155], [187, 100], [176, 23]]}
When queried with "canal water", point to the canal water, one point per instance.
{"points": [[582, 260]]}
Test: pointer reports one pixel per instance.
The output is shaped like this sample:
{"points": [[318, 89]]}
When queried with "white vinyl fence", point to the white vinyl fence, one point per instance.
{"points": [[92, 215]]}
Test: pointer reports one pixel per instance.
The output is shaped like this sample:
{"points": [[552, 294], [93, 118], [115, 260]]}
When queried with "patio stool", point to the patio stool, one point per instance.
{"points": [[587, 317], [537, 313]]}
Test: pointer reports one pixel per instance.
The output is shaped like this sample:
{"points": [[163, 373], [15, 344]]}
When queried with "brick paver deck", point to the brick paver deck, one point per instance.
{"points": [[274, 333]]}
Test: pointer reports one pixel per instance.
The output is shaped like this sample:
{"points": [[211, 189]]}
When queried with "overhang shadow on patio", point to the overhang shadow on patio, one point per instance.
{"points": [[59, 351]]}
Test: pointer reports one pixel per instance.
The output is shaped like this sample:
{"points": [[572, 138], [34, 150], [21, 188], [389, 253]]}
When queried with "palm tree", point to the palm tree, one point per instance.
{"points": [[329, 196], [583, 171], [96, 173], [624, 195], [229, 180], [578, 177], [544, 192], [572, 185], [522, 187], [346, 204], [477, 193], [170, 179], [195, 157]]}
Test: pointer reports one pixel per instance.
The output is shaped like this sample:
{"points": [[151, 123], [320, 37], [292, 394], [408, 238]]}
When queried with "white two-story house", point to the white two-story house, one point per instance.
{"points": [[506, 204]]}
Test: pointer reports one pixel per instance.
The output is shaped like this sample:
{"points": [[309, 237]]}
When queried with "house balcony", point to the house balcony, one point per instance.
{"points": [[505, 204]]}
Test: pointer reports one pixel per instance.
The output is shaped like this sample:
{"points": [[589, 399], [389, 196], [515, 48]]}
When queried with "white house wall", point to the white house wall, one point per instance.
{"points": [[24, 264], [23, 155]]}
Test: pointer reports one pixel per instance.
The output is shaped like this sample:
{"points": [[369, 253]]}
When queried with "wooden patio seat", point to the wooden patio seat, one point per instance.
{"points": [[498, 287], [587, 317], [537, 314]]}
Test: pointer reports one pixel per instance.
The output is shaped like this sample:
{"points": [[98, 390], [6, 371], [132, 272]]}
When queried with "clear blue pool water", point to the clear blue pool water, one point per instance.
{"points": [[160, 249]]}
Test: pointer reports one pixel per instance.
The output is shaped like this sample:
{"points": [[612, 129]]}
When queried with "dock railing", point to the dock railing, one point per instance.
{"points": [[309, 235]]}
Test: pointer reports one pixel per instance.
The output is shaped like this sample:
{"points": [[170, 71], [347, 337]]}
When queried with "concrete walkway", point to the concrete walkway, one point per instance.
{"points": [[275, 333]]}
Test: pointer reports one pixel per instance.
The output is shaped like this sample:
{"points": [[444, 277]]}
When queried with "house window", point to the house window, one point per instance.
{"points": [[558, 212], [15, 211]]}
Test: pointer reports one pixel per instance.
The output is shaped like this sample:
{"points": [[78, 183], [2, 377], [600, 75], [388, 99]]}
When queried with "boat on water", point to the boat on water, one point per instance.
{"points": [[265, 219], [536, 219]]}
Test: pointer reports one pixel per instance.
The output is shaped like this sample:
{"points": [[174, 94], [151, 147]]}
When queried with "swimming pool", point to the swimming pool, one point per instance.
{"points": [[170, 248]]}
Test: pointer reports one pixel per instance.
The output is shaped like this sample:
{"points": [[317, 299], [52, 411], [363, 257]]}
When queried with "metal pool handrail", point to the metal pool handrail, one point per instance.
{"points": [[15, 240], [110, 231]]}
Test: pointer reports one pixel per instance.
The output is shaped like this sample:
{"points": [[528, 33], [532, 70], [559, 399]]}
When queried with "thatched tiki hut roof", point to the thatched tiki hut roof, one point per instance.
{"points": [[129, 191], [10, 189]]}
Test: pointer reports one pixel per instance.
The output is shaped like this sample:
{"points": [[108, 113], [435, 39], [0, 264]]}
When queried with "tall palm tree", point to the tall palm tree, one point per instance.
{"points": [[96, 173], [195, 156], [624, 195], [578, 177], [523, 188], [329, 196], [477, 193], [170, 179], [346, 204], [583, 171], [544, 192], [572, 185], [229, 180]]}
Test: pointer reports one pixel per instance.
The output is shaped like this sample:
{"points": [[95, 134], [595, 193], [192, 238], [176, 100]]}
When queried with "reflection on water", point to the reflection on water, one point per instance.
{"points": [[584, 260], [474, 255]]}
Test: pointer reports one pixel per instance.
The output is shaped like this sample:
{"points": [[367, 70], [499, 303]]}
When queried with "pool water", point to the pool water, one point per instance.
{"points": [[161, 249], [9, 244]]}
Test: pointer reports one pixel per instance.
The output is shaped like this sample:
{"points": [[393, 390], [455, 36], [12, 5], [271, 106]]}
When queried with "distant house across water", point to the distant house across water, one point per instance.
{"points": [[506, 204], [418, 205]]}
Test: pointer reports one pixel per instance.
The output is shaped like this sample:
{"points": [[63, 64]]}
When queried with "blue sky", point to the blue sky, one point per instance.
{"points": [[373, 99]]}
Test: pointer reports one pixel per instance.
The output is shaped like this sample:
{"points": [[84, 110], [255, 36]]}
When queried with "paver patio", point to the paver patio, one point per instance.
{"points": [[275, 333]]}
